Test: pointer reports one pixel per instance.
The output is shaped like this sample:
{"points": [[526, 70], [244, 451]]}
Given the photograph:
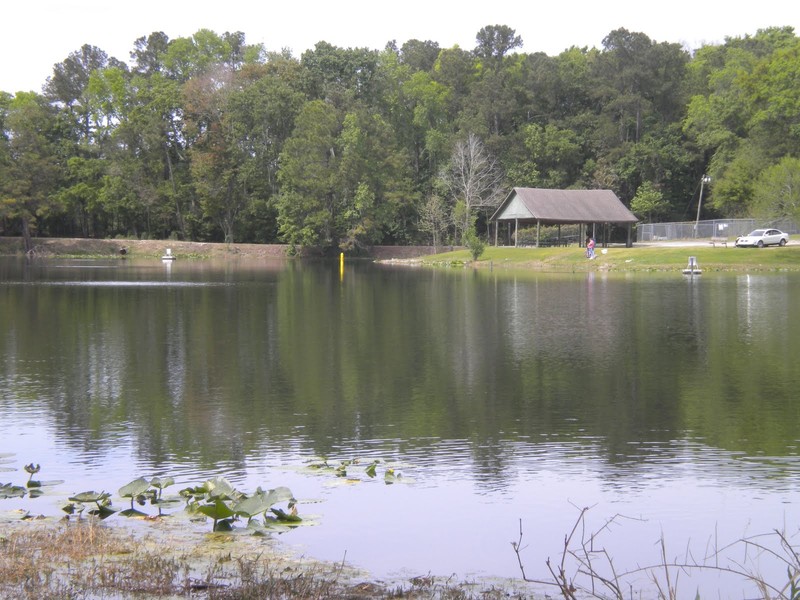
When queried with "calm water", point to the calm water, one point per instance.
{"points": [[500, 397]]}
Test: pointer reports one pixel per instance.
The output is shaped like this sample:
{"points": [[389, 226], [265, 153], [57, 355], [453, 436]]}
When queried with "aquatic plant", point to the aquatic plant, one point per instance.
{"points": [[138, 490], [220, 501], [343, 469], [262, 501], [101, 500], [161, 483], [9, 490], [32, 469]]}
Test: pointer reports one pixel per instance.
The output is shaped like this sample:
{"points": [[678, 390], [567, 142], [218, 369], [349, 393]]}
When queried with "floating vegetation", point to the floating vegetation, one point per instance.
{"points": [[349, 470], [32, 469], [9, 490], [101, 500], [32, 487], [217, 499], [229, 509]]}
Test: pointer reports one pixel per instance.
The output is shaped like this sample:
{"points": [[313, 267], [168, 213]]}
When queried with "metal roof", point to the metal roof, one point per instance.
{"points": [[563, 206]]}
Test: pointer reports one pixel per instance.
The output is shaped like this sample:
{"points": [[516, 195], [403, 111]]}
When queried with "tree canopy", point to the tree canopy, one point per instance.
{"points": [[210, 138]]}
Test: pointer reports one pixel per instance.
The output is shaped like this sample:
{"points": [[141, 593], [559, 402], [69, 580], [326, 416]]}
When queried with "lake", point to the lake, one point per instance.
{"points": [[667, 404]]}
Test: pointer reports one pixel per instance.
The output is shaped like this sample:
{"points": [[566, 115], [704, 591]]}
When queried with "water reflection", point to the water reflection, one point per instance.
{"points": [[600, 387]]}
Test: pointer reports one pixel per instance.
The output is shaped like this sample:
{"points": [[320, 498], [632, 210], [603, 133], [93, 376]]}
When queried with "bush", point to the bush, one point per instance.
{"points": [[474, 244]]}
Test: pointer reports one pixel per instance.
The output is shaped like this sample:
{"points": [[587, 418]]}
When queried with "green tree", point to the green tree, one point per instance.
{"points": [[649, 202], [735, 179], [433, 218], [744, 111], [309, 177], [418, 55], [215, 152], [264, 110], [375, 179], [455, 69], [493, 42], [340, 75], [494, 97], [149, 172], [32, 170], [148, 53], [553, 157], [777, 191], [474, 244], [639, 83]]}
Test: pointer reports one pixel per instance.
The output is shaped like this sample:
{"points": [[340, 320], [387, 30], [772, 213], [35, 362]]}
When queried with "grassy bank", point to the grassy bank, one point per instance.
{"points": [[639, 258], [84, 558]]}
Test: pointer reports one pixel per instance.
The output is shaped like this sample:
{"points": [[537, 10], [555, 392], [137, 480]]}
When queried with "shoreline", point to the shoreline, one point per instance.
{"points": [[111, 248], [660, 256]]}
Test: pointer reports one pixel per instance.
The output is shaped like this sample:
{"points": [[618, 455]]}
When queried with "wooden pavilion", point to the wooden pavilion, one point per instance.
{"points": [[587, 208]]}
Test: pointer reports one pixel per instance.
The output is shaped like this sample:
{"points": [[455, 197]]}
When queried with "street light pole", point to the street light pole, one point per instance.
{"points": [[703, 180]]}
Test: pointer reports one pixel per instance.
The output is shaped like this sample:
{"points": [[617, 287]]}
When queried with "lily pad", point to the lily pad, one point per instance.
{"points": [[7, 490], [134, 488], [90, 497], [102, 512], [218, 510], [285, 517], [219, 487], [162, 482]]}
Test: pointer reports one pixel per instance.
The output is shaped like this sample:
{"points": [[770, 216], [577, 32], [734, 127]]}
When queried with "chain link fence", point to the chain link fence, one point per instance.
{"points": [[716, 228]]}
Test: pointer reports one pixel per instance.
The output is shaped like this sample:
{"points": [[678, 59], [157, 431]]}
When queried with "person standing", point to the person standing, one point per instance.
{"points": [[589, 247]]}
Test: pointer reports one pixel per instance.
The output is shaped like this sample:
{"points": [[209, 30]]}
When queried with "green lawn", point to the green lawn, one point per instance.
{"points": [[619, 258]]}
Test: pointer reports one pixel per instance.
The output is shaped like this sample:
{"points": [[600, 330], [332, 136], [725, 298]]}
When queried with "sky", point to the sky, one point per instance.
{"points": [[37, 35]]}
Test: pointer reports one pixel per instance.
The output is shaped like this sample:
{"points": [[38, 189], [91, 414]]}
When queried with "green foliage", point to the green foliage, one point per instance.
{"points": [[310, 164], [474, 244], [777, 191], [220, 501], [209, 138], [648, 201], [345, 469], [433, 218], [101, 500], [9, 490], [553, 158]]}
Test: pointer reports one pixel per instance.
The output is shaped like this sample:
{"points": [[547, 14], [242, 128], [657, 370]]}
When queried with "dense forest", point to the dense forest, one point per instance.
{"points": [[209, 138]]}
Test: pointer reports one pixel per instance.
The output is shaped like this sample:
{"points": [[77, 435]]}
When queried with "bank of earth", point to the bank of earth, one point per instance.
{"points": [[661, 256]]}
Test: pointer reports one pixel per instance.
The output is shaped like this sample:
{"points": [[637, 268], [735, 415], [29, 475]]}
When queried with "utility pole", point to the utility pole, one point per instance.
{"points": [[703, 180]]}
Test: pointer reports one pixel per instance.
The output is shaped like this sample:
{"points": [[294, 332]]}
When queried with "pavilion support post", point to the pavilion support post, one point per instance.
{"points": [[629, 242], [516, 233], [538, 229]]}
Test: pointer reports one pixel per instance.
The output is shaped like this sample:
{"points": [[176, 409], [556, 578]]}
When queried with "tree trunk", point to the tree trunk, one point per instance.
{"points": [[26, 234]]}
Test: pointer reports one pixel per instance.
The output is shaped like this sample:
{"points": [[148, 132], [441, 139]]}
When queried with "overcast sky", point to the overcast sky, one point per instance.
{"points": [[37, 35]]}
